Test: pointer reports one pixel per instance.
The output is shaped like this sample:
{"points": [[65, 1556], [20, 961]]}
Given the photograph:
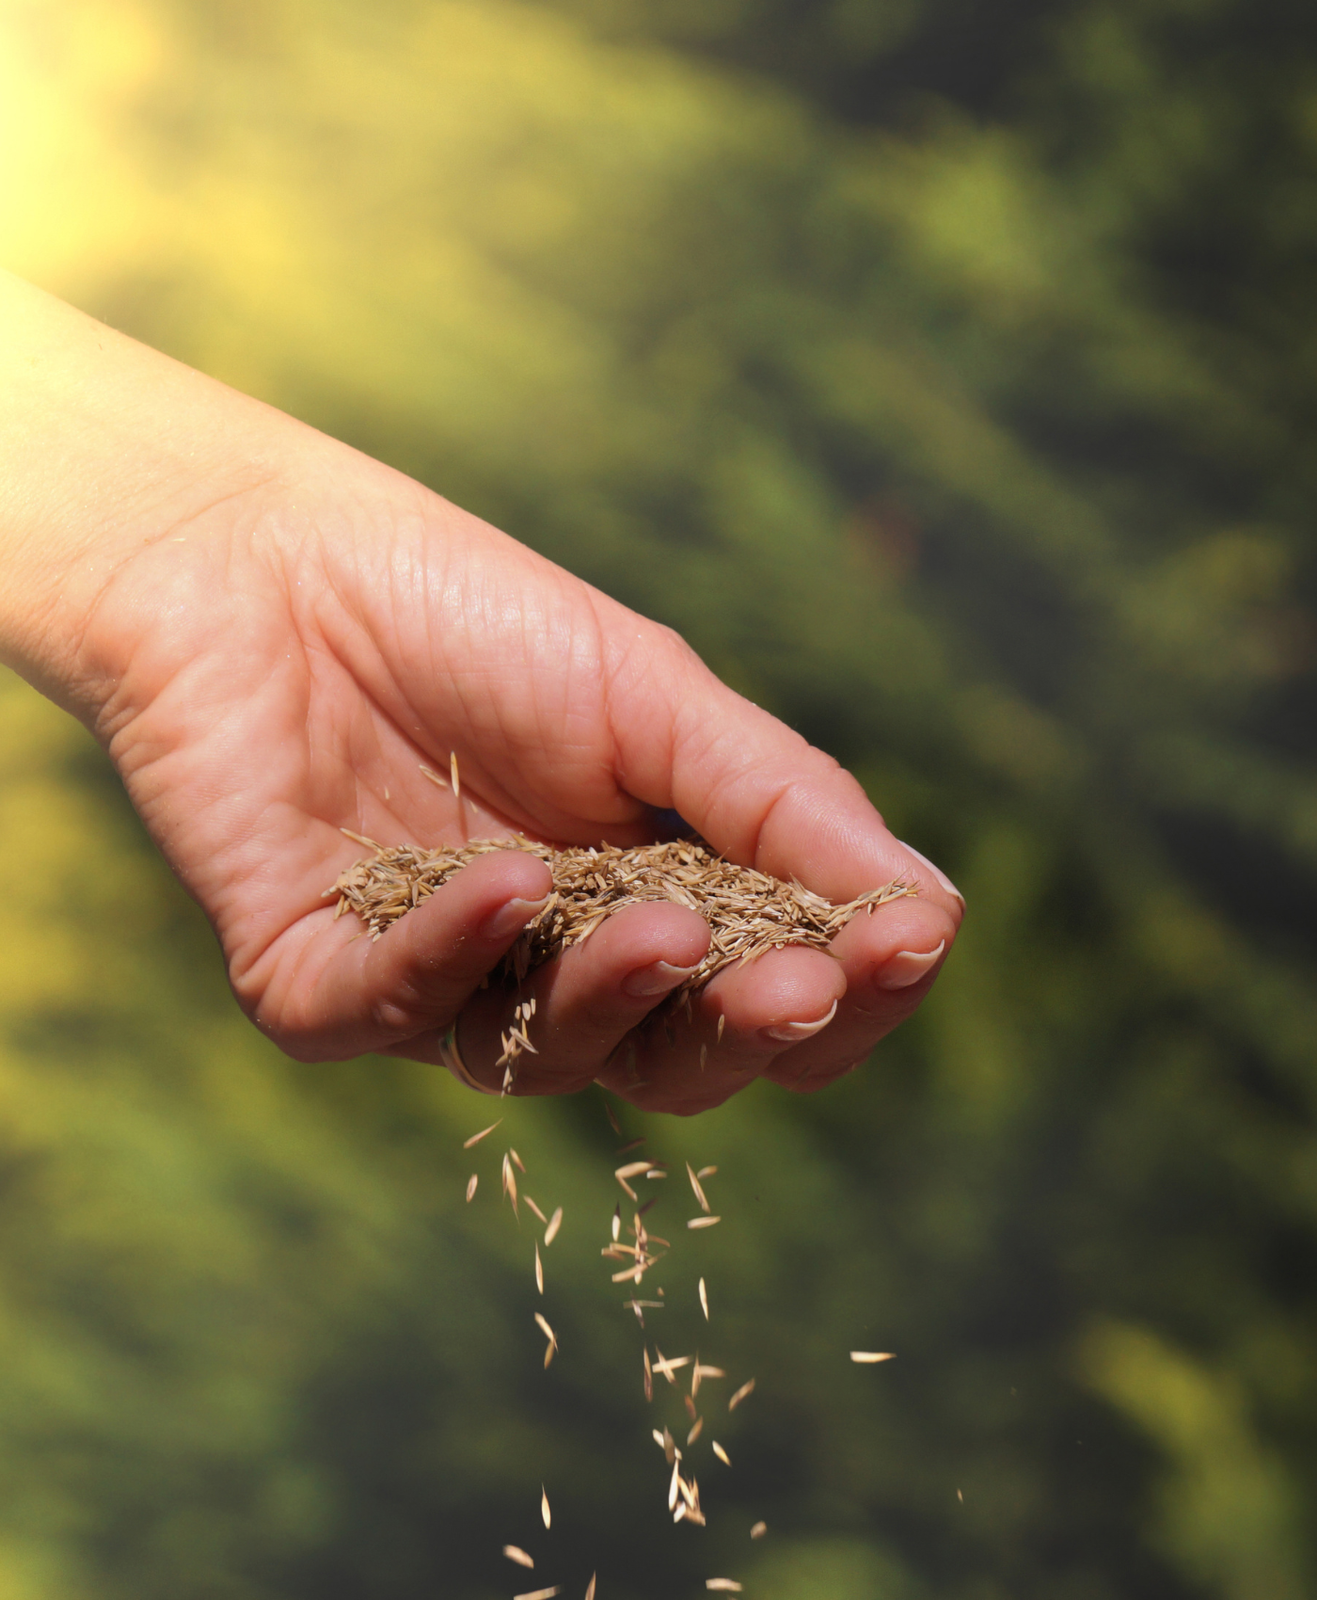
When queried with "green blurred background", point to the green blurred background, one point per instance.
{"points": [[946, 372]]}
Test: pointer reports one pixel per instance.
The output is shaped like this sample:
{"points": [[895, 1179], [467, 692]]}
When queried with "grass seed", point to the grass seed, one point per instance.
{"points": [[743, 1393], [483, 1134]]}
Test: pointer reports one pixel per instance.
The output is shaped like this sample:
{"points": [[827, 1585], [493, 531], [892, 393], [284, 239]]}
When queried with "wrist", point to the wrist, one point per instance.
{"points": [[106, 449]]}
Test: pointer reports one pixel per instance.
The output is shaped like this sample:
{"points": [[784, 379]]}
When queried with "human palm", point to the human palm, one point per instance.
{"points": [[281, 662]]}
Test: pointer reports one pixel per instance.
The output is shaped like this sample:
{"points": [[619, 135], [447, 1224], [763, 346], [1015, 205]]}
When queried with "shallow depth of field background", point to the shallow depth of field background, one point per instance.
{"points": [[946, 372]]}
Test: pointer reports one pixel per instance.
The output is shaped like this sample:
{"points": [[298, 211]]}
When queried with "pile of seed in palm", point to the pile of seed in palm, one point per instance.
{"points": [[748, 912]]}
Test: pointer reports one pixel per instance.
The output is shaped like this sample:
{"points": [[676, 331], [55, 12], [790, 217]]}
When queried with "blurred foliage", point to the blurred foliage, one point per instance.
{"points": [[943, 369]]}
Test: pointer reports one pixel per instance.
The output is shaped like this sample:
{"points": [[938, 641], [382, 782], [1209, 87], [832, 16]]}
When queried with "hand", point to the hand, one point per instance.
{"points": [[273, 634]]}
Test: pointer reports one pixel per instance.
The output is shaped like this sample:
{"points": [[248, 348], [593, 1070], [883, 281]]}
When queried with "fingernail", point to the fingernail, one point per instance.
{"points": [[936, 871], [906, 967], [657, 978], [511, 918], [794, 1032]]}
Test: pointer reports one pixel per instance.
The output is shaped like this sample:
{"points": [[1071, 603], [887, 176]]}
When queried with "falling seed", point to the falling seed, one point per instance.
{"points": [[759, 1530], [867, 1358], [633, 1169], [551, 1232], [703, 1222], [721, 1454], [617, 1222], [434, 777], [540, 1594], [960, 1495], [668, 1365], [689, 1403], [519, 1556], [612, 1118], [471, 1183], [704, 1300], [658, 1437], [454, 776], [674, 1486], [696, 1431], [634, 1144], [387, 795], [521, 1165], [742, 1393], [483, 1134], [706, 1172], [534, 1208], [549, 1334], [698, 1191], [544, 1506], [539, 1271], [722, 1023], [649, 1376], [670, 1451], [723, 1585], [704, 1056], [589, 1592]]}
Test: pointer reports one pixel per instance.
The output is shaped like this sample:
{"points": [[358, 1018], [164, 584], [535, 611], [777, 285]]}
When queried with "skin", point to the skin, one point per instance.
{"points": [[270, 633]]}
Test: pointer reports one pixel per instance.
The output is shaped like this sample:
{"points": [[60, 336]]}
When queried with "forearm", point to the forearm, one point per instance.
{"points": [[106, 447]]}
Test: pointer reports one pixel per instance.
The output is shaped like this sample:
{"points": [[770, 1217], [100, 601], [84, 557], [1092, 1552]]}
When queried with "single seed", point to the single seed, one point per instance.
{"points": [[551, 1232], [483, 1134], [455, 776], [689, 1403], [673, 1486], [703, 1222], [540, 1594], [697, 1190], [534, 1208], [742, 1393], [704, 1300], [539, 1271], [612, 1118], [696, 1431], [521, 1166], [759, 1530], [867, 1358], [471, 1183], [617, 1222], [721, 1454], [706, 1172], [723, 1585], [589, 1589], [519, 1556], [635, 1144], [544, 1506], [722, 1023]]}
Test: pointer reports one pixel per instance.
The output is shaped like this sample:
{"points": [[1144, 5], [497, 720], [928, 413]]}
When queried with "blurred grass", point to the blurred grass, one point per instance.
{"points": [[953, 398]]}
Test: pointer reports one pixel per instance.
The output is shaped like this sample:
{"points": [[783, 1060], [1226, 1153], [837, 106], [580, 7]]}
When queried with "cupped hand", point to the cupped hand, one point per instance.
{"points": [[271, 664]]}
